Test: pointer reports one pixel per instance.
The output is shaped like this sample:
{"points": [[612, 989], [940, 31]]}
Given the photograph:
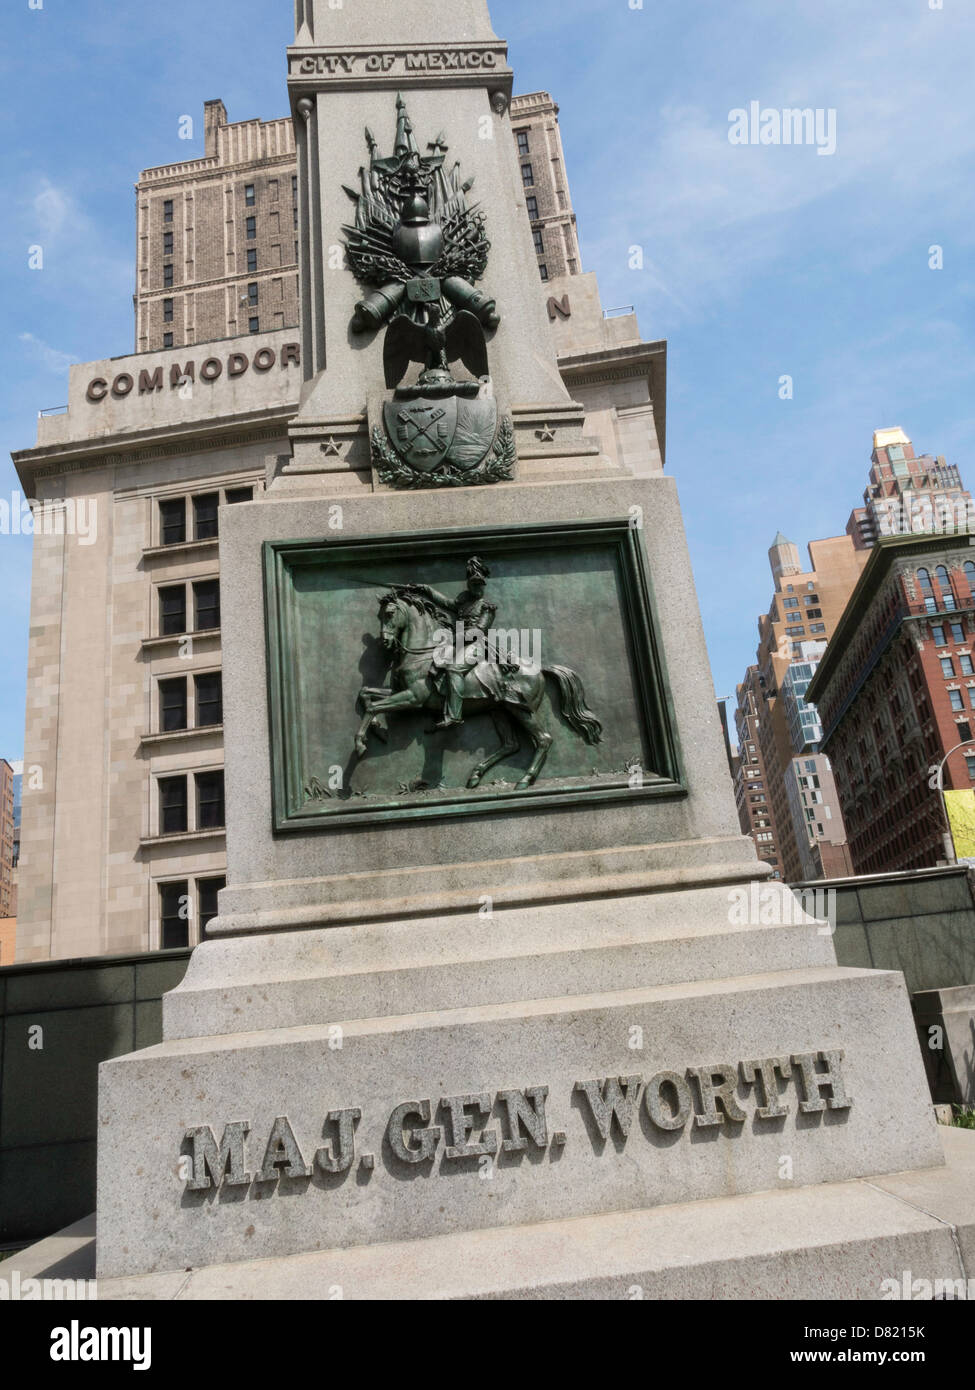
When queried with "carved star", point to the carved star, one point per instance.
{"points": [[332, 448], [546, 435]]}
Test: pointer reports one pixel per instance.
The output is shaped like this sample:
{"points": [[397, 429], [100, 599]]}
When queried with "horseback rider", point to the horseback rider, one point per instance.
{"points": [[475, 614]]}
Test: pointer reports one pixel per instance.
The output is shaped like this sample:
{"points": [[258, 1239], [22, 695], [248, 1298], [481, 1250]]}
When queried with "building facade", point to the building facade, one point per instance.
{"points": [[751, 776], [541, 159], [806, 605], [896, 694]]}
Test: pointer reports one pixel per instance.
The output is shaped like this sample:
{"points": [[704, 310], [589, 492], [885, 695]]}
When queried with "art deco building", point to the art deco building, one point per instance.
{"points": [[124, 678], [217, 237], [896, 693]]}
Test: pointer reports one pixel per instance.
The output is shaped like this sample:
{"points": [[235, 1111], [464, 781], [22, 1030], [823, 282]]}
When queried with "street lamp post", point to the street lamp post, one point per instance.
{"points": [[949, 838]]}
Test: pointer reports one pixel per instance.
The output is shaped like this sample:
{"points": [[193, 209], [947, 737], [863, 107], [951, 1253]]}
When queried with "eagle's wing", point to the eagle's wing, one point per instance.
{"points": [[465, 339]]}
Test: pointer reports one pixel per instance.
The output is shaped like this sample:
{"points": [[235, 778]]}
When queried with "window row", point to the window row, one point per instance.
{"points": [[205, 514], [943, 596], [174, 612], [175, 713], [938, 633], [188, 803], [965, 666], [186, 910]]}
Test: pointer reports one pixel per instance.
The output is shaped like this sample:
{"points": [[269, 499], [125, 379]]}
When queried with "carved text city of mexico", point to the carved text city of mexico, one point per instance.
{"points": [[397, 62]]}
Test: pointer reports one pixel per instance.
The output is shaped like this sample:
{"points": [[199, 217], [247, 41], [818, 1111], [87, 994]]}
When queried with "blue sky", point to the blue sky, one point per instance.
{"points": [[758, 261]]}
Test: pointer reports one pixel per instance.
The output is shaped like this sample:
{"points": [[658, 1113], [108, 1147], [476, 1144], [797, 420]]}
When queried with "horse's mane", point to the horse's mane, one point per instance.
{"points": [[421, 604]]}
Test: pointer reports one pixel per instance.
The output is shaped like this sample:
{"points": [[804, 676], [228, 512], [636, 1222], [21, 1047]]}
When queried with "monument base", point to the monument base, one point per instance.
{"points": [[904, 1236]]}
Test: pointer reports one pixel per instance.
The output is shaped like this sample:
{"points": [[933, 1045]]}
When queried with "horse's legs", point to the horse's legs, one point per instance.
{"points": [[402, 700], [509, 745], [539, 736]]}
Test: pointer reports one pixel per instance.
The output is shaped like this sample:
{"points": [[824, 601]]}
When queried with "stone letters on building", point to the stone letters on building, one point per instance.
{"points": [[423, 60], [152, 379], [460, 1127]]}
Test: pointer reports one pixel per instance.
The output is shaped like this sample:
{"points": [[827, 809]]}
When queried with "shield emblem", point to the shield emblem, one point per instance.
{"points": [[422, 431], [477, 425]]}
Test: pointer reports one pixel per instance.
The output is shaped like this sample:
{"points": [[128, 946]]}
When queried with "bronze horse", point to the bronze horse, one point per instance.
{"points": [[412, 631]]}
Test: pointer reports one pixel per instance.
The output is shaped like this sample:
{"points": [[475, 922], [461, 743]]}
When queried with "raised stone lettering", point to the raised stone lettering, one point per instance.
{"points": [[178, 374], [723, 1093], [608, 1104], [97, 389], [150, 382], [291, 355], [264, 359], [422, 1143], [213, 1166], [525, 1109], [659, 1109], [461, 1125], [122, 384], [812, 1081], [211, 369], [339, 1158], [763, 1073], [238, 364], [282, 1149]]}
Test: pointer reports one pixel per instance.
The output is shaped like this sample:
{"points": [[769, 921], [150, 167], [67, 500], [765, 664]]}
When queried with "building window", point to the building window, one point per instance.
{"points": [[970, 764], [209, 699], [294, 187], [252, 229], [543, 271], [239, 494], [964, 731], [174, 925], [815, 613], [957, 633], [172, 520], [207, 890], [249, 196], [172, 705], [527, 176], [172, 610], [810, 598], [795, 631], [790, 602], [539, 241], [955, 696], [168, 310], [209, 801], [254, 325], [172, 806], [523, 142], [167, 243], [944, 584], [295, 214], [965, 662], [206, 604], [168, 210], [168, 276], [938, 635], [947, 666], [205, 515], [167, 340], [817, 627], [252, 258], [927, 591], [531, 203], [252, 293]]}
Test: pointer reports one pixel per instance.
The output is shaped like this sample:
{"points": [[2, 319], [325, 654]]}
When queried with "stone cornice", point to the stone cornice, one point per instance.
{"points": [[199, 436]]}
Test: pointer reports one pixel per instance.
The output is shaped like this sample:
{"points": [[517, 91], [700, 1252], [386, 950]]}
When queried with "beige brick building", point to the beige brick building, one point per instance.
{"points": [[535, 123], [8, 895], [216, 252], [122, 841]]}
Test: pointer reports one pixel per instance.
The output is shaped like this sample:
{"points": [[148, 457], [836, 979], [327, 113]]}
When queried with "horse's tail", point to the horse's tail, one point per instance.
{"points": [[578, 716]]}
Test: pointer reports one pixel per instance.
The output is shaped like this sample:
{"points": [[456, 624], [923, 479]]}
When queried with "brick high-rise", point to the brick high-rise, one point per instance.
{"points": [[896, 693]]}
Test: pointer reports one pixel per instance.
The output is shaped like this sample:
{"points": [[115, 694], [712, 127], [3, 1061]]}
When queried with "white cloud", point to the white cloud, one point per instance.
{"points": [[52, 358]]}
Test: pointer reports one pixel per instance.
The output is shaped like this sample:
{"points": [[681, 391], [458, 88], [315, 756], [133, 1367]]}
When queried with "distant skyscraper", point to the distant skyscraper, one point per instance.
{"points": [[8, 905], [908, 494]]}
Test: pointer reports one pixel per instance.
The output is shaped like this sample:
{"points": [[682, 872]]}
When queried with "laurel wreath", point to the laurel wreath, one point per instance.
{"points": [[496, 467]]}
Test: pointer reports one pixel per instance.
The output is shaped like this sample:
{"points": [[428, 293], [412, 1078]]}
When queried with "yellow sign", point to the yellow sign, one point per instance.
{"points": [[961, 817]]}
